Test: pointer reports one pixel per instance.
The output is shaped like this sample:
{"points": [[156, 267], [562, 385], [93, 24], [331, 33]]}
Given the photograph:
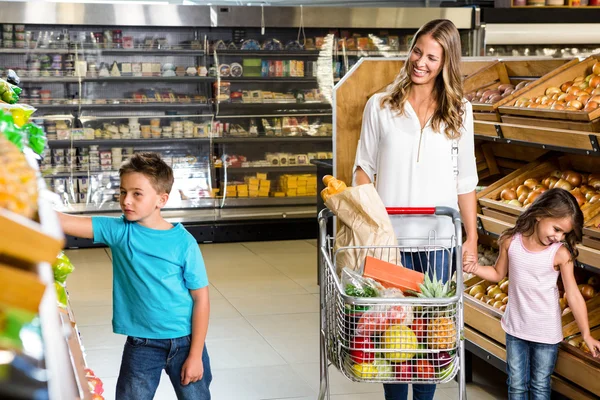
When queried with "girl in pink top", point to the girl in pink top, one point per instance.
{"points": [[540, 246]]}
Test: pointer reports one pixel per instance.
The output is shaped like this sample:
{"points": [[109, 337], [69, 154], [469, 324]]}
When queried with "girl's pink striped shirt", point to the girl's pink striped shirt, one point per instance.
{"points": [[533, 312]]}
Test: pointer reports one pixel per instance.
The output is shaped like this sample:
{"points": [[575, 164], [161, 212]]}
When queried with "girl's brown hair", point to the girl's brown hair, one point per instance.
{"points": [[448, 89], [553, 203]]}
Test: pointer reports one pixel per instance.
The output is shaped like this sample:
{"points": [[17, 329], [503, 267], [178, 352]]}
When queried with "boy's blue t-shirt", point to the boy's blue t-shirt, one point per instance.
{"points": [[153, 271]]}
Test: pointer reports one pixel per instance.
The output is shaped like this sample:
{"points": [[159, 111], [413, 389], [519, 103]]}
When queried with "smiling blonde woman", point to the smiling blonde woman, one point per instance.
{"points": [[414, 137]]}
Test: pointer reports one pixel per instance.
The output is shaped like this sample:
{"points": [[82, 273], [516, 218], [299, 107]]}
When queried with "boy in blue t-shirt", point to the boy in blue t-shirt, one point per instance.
{"points": [[160, 287]]}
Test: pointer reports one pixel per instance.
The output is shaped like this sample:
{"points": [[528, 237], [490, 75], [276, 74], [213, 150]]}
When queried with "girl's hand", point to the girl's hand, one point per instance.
{"points": [[470, 264], [593, 345]]}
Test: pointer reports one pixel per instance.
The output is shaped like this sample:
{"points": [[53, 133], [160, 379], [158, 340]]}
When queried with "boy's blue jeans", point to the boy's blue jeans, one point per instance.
{"points": [[424, 262], [143, 362], [529, 367]]}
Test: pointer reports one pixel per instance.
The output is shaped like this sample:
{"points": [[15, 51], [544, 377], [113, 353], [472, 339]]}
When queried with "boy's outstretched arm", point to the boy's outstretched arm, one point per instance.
{"points": [[76, 225], [193, 370]]}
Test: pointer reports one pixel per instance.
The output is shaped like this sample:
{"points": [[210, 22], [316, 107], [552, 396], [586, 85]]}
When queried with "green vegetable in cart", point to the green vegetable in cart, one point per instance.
{"points": [[62, 267], [355, 291], [61, 295]]}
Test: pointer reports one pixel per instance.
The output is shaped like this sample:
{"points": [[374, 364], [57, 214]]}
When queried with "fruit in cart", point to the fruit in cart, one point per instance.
{"points": [[434, 288], [424, 370], [18, 184], [442, 359], [446, 372], [404, 371], [596, 68], [441, 333], [594, 281], [362, 350], [399, 339], [365, 370], [504, 287], [479, 296], [419, 327]]}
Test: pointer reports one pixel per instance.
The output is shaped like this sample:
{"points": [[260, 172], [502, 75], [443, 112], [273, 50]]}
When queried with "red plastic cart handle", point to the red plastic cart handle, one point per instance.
{"points": [[410, 210]]}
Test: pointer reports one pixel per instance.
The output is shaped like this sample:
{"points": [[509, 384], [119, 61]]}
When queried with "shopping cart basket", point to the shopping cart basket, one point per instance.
{"points": [[398, 339]]}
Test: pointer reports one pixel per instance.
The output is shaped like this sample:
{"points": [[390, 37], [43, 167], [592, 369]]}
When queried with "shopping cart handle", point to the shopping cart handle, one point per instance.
{"points": [[410, 210]]}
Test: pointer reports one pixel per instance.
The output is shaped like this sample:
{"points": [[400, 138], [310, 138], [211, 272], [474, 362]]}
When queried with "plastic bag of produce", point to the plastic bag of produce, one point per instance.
{"points": [[378, 318], [61, 295], [20, 112], [62, 267], [364, 221]]}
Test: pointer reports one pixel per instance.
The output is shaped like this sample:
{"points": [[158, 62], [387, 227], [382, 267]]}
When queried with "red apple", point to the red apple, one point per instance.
{"points": [[404, 371], [359, 356], [419, 327], [424, 370]]}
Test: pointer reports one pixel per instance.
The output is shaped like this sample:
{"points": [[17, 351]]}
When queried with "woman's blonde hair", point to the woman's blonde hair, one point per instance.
{"points": [[448, 87]]}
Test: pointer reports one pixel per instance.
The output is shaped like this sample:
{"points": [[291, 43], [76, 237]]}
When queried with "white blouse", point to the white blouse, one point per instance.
{"points": [[413, 174]]}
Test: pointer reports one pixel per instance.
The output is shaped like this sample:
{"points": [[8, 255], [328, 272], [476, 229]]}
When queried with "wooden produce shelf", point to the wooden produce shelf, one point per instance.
{"points": [[491, 76], [544, 136], [555, 78], [559, 384]]}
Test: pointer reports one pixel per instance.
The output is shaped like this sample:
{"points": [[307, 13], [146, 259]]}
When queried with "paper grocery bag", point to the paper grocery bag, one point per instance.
{"points": [[364, 221]]}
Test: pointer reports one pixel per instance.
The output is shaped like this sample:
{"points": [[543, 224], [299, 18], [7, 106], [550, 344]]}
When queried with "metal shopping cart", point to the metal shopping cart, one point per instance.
{"points": [[398, 339]]}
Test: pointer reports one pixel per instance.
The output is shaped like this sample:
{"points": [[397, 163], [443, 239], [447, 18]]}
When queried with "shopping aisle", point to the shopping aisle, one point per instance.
{"points": [[263, 333]]}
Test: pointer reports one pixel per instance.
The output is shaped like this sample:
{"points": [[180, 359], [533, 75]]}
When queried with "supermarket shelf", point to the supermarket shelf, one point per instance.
{"points": [[275, 139], [125, 106], [57, 144], [268, 79], [263, 213], [189, 79], [372, 53], [269, 53], [142, 51], [569, 141], [299, 169], [114, 206], [259, 109], [267, 201]]}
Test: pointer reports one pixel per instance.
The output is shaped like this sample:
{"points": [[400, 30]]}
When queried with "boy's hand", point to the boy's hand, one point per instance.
{"points": [[470, 264], [593, 345], [192, 370]]}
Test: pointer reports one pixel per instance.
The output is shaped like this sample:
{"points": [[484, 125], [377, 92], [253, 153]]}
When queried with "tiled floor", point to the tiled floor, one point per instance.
{"points": [[263, 334]]}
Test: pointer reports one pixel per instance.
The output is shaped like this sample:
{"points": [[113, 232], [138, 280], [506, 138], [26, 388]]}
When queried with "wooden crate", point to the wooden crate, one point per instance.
{"points": [[592, 126], [493, 75], [491, 203], [556, 78]]}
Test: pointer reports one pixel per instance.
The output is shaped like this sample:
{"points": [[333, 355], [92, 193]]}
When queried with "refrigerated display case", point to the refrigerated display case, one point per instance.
{"points": [[228, 95]]}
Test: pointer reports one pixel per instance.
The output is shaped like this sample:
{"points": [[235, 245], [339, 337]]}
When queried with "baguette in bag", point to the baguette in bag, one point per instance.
{"points": [[364, 221]]}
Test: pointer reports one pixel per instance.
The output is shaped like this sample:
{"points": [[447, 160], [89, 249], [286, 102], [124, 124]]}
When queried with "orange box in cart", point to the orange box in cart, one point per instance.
{"points": [[392, 275]]}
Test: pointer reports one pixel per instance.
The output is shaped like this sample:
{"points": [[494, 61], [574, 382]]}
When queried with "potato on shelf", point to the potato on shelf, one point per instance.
{"points": [[571, 94]]}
